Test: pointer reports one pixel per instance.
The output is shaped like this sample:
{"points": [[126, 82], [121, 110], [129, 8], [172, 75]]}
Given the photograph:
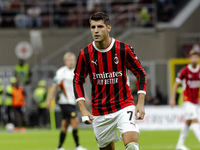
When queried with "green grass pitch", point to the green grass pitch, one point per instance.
{"points": [[48, 139]]}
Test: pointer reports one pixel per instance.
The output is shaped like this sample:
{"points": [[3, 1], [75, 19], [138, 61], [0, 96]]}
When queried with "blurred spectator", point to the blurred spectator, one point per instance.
{"points": [[149, 100], [9, 100], [23, 75], [107, 6], [40, 97], [72, 18], [15, 4], [22, 72], [60, 15], [34, 16], [159, 97], [4, 4], [21, 20], [1, 101], [165, 10], [7, 14], [18, 97], [9, 11], [97, 8], [145, 18], [91, 4], [156, 101]]}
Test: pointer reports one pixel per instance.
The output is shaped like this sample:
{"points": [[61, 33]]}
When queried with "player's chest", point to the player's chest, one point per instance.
{"points": [[192, 76], [193, 80], [67, 77], [106, 62], [67, 83]]}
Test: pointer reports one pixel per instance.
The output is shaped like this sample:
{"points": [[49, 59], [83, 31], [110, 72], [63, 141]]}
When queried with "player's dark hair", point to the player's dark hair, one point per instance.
{"points": [[100, 16]]}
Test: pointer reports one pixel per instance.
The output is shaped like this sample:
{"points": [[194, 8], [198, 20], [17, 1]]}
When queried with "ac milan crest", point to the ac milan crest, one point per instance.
{"points": [[116, 60]]}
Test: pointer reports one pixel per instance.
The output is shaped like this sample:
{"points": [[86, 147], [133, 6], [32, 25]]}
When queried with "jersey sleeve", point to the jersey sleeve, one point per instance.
{"points": [[134, 65], [80, 73], [180, 75], [57, 78]]}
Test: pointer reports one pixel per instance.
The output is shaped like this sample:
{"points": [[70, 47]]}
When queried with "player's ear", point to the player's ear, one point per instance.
{"points": [[109, 28]]}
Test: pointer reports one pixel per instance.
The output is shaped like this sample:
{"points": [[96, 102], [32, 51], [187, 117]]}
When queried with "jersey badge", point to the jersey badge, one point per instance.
{"points": [[116, 59]]}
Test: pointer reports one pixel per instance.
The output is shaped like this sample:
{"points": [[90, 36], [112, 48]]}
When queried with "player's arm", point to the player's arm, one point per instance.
{"points": [[135, 66], [179, 79], [87, 100], [51, 94], [172, 101], [80, 73]]}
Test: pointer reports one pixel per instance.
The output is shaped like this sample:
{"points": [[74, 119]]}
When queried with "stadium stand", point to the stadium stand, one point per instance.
{"points": [[67, 13]]}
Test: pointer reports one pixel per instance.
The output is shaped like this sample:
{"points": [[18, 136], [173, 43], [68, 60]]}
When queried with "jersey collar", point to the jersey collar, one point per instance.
{"points": [[107, 49], [194, 70]]}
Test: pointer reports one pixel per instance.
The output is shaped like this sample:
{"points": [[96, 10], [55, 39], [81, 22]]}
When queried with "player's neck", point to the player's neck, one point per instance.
{"points": [[69, 67], [194, 66], [104, 44]]}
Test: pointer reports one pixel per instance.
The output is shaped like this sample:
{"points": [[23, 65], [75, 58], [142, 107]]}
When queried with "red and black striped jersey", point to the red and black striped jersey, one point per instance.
{"points": [[107, 69], [190, 79]]}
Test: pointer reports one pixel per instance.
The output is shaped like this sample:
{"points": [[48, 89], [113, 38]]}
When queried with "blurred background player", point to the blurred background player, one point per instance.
{"points": [[1, 101], [40, 97], [189, 76], [18, 97], [64, 80]]}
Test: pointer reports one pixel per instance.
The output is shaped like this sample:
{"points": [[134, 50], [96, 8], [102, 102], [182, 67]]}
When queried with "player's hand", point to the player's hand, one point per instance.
{"points": [[48, 104], [87, 113], [139, 112], [172, 102]]}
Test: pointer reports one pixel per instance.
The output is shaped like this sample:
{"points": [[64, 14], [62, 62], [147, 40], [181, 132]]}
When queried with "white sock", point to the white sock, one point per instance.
{"points": [[132, 146], [183, 135], [196, 130]]}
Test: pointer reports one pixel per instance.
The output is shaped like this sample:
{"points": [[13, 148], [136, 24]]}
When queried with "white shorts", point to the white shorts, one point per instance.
{"points": [[105, 127], [191, 111]]}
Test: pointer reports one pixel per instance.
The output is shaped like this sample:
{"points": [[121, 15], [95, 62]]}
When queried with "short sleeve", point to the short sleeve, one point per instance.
{"points": [[180, 75], [57, 78]]}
